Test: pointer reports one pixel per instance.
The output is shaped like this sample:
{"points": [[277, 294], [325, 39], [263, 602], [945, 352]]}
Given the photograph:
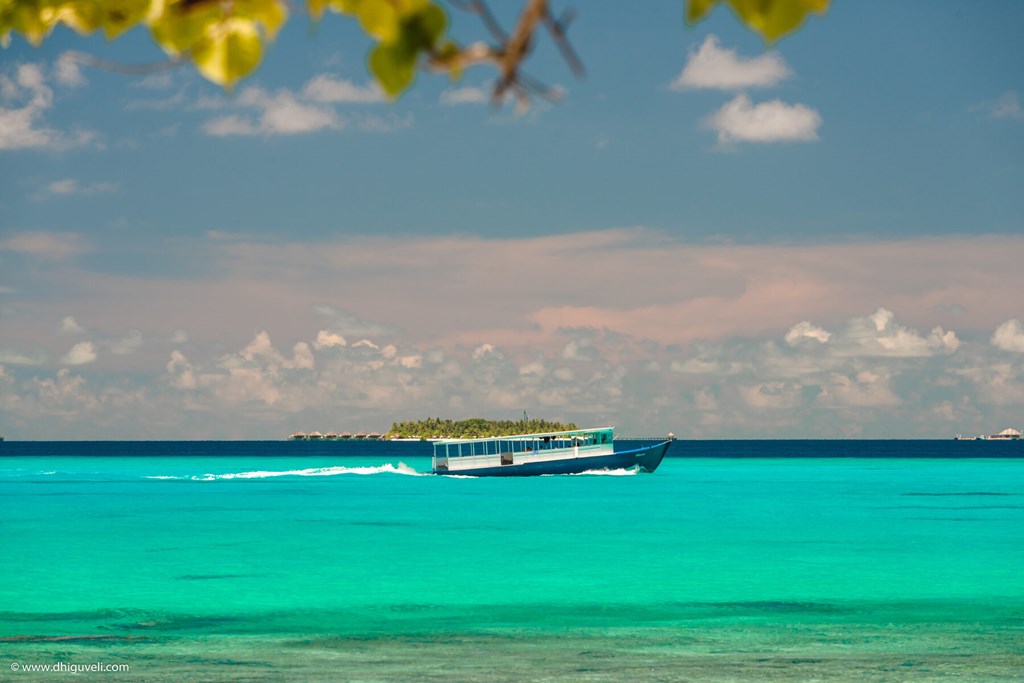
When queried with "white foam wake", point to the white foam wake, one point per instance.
{"points": [[606, 473], [388, 468]]}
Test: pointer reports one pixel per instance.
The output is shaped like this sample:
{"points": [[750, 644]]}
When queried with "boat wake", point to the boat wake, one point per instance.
{"points": [[388, 468], [606, 473]]}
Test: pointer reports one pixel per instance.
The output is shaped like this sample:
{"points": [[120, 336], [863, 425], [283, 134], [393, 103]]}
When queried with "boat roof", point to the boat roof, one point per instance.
{"points": [[537, 435]]}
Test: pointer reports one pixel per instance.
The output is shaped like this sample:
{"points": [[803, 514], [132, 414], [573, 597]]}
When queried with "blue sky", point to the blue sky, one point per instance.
{"points": [[703, 236]]}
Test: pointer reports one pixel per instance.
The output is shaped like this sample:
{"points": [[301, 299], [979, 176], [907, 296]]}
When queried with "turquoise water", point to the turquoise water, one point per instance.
{"points": [[344, 562]]}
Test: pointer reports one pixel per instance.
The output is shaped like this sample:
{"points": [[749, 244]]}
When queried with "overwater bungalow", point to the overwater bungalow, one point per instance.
{"points": [[315, 436], [345, 435], [1008, 434], [297, 436]]}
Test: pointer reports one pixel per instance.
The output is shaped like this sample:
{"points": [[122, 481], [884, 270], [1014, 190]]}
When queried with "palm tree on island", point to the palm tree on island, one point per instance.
{"points": [[473, 428]]}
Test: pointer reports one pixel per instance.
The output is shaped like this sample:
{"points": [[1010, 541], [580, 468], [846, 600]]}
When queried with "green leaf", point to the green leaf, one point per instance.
{"points": [[33, 19], [271, 14], [316, 8], [178, 27], [379, 19], [113, 16], [231, 51], [772, 19], [431, 22], [697, 9], [394, 67]]}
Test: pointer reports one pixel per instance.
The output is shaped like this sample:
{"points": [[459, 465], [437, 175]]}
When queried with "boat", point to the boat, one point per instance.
{"points": [[1008, 434], [524, 455]]}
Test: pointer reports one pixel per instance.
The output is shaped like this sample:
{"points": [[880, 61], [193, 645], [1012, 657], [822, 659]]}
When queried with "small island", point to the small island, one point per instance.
{"points": [[473, 428]]}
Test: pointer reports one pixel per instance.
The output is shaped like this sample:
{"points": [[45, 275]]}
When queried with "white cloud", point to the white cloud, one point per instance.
{"points": [[383, 124], [71, 186], [866, 389], [20, 127], [174, 101], [326, 88], [284, 112], [365, 344], [803, 331], [579, 349], [771, 395], [130, 343], [67, 71], [302, 357], [411, 361], [80, 354], [486, 351], [66, 395], [326, 340], [280, 113], [466, 95], [1007, 106], [714, 336], [180, 368], [712, 66], [70, 326], [24, 99], [533, 369], [1009, 336], [257, 373], [68, 186], [223, 126], [157, 81], [945, 411], [775, 121], [946, 341], [51, 245], [260, 348], [344, 322], [15, 357], [704, 399], [695, 366], [880, 335]]}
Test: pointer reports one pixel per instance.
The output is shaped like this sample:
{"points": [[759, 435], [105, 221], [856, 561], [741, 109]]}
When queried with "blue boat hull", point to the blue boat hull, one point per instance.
{"points": [[644, 459]]}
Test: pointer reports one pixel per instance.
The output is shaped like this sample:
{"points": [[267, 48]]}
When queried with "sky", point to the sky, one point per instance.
{"points": [[704, 235]]}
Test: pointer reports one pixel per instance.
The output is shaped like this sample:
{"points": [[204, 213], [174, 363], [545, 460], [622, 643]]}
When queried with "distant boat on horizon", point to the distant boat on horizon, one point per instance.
{"points": [[1008, 434]]}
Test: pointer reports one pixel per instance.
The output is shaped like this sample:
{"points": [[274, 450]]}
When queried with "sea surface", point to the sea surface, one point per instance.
{"points": [[269, 561]]}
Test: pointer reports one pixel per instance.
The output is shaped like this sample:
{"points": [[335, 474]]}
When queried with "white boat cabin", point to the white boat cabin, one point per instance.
{"points": [[452, 455]]}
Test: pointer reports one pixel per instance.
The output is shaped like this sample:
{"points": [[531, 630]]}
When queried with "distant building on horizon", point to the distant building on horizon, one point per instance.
{"points": [[1008, 434]]}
